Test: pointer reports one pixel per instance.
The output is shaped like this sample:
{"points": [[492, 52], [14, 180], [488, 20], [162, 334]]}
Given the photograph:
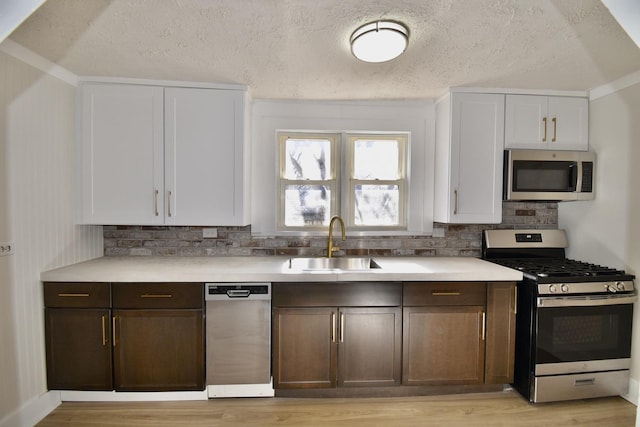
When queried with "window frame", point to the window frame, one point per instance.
{"points": [[333, 182], [342, 185], [349, 184]]}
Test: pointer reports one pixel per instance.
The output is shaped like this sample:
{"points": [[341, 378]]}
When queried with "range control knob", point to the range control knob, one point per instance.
{"points": [[553, 289], [620, 286], [564, 288], [611, 288]]}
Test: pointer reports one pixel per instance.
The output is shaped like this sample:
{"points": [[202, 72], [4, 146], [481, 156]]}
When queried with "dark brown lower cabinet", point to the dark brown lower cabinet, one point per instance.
{"points": [[158, 350], [443, 345], [317, 346], [329, 347], [78, 336], [124, 336], [78, 347], [305, 350], [458, 333], [501, 332]]}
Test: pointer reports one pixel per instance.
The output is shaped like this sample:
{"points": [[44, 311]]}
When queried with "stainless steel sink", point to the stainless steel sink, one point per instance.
{"points": [[334, 263]]}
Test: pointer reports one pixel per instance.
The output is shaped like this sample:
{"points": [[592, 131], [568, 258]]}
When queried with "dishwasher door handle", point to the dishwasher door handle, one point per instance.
{"points": [[238, 293]]}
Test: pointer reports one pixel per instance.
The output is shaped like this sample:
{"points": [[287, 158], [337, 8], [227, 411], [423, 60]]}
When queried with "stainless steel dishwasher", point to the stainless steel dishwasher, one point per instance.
{"points": [[238, 322]]}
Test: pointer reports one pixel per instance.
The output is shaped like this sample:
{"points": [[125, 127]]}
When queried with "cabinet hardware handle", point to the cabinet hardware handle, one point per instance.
{"points": [[114, 330], [341, 327], [169, 204], [555, 125], [544, 122], [515, 300], [445, 293], [455, 205], [586, 381], [484, 325], [156, 296], [333, 327], [104, 331], [155, 202], [71, 295]]}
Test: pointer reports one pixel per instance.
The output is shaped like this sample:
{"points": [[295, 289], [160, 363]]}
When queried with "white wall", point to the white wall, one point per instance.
{"points": [[416, 117], [607, 229], [37, 190]]}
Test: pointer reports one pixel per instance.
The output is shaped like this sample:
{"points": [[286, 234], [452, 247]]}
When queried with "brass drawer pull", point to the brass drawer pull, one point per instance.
{"points": [[73, 295], [115, 339], [333, 327], [104, 332], [445, 293], [156, 296]]}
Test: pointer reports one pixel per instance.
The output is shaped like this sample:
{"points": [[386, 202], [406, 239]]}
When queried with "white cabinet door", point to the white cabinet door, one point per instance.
{"points": [[469, 175], [152, 155], [525, 121], [121, 154], [546, 122], [570, 129], [204, 157]]}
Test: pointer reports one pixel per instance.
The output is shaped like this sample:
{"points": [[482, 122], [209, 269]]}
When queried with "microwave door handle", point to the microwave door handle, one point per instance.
{"points": [[578, 179], [573, 183]]}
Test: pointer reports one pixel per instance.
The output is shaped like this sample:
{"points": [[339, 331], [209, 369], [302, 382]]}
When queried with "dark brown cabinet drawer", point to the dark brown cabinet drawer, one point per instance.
{"points": [[77, 295], [444, 293], [158, 295], [334, 294]]}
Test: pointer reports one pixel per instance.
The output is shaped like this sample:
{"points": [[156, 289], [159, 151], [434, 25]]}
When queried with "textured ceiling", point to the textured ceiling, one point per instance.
{"points": [[298, 49]]}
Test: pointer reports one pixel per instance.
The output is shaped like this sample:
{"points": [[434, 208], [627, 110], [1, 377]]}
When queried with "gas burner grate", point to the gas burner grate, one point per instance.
{"points": [[560, 268]]}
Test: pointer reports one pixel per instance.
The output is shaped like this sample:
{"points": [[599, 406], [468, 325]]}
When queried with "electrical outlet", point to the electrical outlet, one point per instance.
{"points": [[7, 248], [209, 233]]}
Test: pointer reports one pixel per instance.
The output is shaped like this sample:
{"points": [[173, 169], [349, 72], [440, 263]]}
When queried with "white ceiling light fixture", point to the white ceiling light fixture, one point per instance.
{"points": [[379, 41]]}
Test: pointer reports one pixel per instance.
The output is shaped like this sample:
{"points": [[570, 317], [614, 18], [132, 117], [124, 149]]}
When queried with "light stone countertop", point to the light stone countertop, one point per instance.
{"points": [[274, 269]]}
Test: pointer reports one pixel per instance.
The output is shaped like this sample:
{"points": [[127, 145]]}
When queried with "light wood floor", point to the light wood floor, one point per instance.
{"points": [[487, 409]]}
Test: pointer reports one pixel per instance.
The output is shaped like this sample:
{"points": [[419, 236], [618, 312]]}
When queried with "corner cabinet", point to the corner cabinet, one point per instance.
{"points": [[469, 155], [153, 155], [458, 333], [336, 335], [546, 122]]}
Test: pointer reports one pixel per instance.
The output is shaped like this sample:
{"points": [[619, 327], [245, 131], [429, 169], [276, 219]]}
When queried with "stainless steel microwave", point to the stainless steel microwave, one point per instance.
{"points": [[548, 175]]}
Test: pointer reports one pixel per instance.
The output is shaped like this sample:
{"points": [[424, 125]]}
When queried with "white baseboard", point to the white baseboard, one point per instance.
{"points": [[33, 411], [241, 390], [120, 396]]}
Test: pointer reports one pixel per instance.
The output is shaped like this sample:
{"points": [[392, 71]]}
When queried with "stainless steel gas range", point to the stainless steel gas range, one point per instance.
{"points": [[573, 324]]}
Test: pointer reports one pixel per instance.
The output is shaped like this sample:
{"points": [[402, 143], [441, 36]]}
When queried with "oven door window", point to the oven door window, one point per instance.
{"points": [[571, 334], [559, 176]]}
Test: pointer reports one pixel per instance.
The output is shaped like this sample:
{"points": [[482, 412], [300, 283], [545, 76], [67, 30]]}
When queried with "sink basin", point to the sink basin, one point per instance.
{"points": [[337, 263]]}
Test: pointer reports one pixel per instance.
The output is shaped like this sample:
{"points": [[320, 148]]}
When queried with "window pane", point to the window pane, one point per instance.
{"points": [[375, 159], [377, 205], [307, 159], [307, 205]]}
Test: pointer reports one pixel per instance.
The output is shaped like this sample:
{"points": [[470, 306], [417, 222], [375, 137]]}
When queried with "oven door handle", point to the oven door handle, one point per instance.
{"points": [[587, 301]]}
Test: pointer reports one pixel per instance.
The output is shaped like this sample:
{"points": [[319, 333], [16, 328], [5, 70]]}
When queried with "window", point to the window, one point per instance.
{"points": [[361, 177]]}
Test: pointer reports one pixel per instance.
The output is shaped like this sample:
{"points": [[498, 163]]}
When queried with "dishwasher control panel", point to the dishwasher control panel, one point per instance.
{"points": [[226, 291]]}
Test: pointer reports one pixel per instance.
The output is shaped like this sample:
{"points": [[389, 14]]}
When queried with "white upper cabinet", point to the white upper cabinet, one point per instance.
{"points": [[152, 155], [469, 152], [546, 122], [121, 154]]}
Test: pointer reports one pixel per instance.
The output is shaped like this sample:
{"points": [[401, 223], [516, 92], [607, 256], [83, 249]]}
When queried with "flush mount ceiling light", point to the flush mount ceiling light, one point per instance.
{"points": [[379, 41]]}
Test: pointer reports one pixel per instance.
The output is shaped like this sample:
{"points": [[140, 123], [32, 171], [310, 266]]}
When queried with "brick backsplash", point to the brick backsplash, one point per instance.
{"points": [[458, 240]]}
